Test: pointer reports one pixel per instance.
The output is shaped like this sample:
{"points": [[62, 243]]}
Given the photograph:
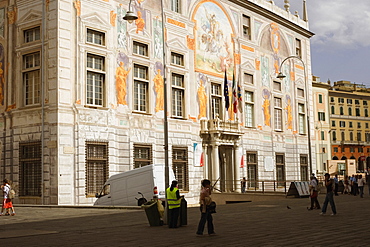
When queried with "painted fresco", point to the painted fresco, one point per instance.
{"points": [[121, 28], [213, 33], [266, 107], [289, 114], [158, 38], [265, 71], [159, 87], [202, 96], [2, 19], [121, 78]]}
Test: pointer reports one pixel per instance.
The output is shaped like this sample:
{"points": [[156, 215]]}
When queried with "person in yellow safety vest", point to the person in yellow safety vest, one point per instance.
{"points": [[173, 201]]}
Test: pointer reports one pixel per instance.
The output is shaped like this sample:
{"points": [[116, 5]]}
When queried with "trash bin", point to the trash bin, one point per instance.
{"points": [[183, 212], [151, 210]]}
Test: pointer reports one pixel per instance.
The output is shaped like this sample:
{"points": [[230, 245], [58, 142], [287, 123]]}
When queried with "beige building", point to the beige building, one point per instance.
{"points": [[320, 95], [82, 94], [349, 117]]}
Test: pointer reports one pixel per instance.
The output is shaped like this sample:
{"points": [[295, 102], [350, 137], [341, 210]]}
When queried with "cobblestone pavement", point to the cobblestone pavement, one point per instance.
{"points": [[266, 221]]}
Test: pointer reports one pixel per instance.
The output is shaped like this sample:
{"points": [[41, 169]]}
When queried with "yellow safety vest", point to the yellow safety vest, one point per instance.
{"points": [[172, 198]]}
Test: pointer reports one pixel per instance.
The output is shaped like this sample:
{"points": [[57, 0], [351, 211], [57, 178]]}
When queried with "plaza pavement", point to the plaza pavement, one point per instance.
{"points": [[265, 221]]}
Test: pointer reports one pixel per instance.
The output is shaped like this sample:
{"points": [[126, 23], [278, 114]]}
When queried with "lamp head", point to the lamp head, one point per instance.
{"points": [[281, 76], [130, 16]]}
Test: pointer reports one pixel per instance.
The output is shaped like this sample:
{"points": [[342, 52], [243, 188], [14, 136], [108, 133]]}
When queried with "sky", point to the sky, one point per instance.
{"points": [[340, 48]]}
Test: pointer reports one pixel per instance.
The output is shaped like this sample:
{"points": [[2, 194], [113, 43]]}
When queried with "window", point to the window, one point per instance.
{"points": [[359, 138], [177, 59], [277, 86], [31, 78], [300, 92], [321, 116], [180, 167], [367, 137], [95, 37], [248, 78], [349, 101], [352, 149], [357, 112], [252, 170], [341, 100], [323, 135], [142, 155], [343, 136], [333, 123], [278, 114], [331, 99], [342, 124], [320, 98], [301, 118], [216, 98], [140, 49], [178, 92], [141, 88], [31, 35], [366, 125], [249, 109], [304, 167], [332, 110], [341, 112], [334, 135], [351, 136], [365, 102], [358, 124], [350, 124], [360, 150], [335, 149], [30, 169], [298, 48], [97, 167], [95, 80], [246, 27], [350, 111], [343, 149], [280, 169], [366, 112], [175, 6], [357, 102]]}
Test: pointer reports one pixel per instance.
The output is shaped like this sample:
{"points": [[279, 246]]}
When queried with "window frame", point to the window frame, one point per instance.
{"points": [[35, 32], [93, 34], [180, 167], [178, 94], [216, 100], [140, 158], [177, 59], [246, 27], [31, 77], [95, 78], [141, 88], [140, 49], [249, 109]]}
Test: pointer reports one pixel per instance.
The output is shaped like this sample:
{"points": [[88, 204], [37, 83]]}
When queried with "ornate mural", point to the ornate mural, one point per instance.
{"points": [[213, 33], [202, 96], [159, 87], [121, 78]]}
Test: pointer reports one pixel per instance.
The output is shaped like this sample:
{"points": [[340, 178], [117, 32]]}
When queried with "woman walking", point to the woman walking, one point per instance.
{"points": [[7, 202]]}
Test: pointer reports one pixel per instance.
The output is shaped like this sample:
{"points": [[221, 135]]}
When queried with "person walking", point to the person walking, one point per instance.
{"points": [[329, 198], [361, 182], [173, 202], [7, 202], [243, 184], [206, 215], [336, 184], [314, 194], [347, 189]]}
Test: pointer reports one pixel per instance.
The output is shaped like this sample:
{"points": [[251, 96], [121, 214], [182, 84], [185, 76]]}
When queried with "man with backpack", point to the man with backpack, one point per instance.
{"points": [[329, 198]]}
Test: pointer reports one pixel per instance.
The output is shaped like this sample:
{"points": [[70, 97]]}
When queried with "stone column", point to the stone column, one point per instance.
{"points": [[206, 160], [215, 164], [236, 162]]}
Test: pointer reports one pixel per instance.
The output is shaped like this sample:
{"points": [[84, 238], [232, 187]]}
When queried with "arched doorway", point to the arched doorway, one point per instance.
{"points": [[335, 158], [344, 158]]}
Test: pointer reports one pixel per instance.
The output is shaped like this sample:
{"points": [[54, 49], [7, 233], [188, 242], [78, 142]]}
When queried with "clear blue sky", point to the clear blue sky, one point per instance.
{"points": [[340, 48]]}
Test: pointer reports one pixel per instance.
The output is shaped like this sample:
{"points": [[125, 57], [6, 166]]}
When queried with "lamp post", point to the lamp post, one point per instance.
{"points": [[281, 76], [130, 17]]}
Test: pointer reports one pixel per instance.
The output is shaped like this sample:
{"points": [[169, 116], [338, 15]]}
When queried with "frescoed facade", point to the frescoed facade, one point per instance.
{"points": [[83, 99]]}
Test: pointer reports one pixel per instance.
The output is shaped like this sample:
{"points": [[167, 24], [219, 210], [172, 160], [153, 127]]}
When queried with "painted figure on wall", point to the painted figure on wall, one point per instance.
{"points": [[158, 38], [2, 20], [140, 22], [202, 97], [266, 106], [159, 87], [265, 71], [289, 114], [121, 28], [121, 77], [213, 34]]}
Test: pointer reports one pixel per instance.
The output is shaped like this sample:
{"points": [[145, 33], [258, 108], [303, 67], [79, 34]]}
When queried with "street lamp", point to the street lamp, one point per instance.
{"points": [[281, 76], [130, 17]]}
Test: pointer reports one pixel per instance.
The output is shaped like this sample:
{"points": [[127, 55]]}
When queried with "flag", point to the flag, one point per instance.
{"points": [[240, 97], [235, 98], [226, 93]]}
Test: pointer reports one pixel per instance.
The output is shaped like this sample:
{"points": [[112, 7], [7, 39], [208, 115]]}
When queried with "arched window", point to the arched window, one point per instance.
{"points": [[350, 111], [334, 135], [342, 136], [351, 136], [341, 110], [332, 109], [344, 158], [335, 158]]}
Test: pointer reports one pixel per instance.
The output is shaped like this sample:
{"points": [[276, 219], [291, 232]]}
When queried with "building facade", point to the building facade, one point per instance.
{"points": [[82, 94], [349, 117]]}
